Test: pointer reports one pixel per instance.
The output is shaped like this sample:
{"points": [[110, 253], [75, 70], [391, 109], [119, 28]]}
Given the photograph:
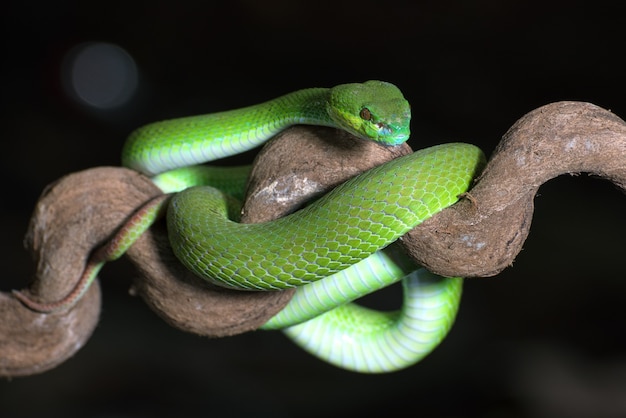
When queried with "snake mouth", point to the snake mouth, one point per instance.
{"points": [[387, 135]]}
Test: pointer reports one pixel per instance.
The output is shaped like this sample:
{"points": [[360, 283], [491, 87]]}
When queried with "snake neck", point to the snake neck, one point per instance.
{"points": [[305, 107], [171, 144]]}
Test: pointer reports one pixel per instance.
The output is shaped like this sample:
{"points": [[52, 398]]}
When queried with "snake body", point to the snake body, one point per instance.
{"points": [[334, 250], [342, 228]]}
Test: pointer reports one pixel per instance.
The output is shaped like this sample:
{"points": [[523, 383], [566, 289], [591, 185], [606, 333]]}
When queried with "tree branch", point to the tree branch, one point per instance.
{"points": [[479, 236]]}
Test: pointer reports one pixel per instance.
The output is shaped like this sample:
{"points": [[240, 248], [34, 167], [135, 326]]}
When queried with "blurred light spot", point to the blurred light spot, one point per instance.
{"points": [[100, 75]]}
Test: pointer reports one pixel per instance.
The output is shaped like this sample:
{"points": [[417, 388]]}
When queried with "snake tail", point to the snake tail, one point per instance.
{"points": [[114, 248]]}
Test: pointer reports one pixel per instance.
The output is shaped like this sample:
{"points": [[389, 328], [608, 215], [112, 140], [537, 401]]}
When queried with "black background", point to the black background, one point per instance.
{"points": [[542, 339]]}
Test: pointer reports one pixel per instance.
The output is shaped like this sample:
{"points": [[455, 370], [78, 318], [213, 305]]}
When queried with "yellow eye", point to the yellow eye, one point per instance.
{"points": [[365, 114]]}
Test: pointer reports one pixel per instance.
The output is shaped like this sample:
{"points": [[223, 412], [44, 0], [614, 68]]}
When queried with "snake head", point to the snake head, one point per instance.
{"points": [[374, 110]]}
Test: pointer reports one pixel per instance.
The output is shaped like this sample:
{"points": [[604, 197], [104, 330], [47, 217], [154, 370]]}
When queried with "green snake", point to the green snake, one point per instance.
{"points": [[334, 250]]}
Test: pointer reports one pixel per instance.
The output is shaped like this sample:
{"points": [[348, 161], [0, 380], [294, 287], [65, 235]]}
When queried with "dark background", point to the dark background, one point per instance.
{"points": [[542, 339]]}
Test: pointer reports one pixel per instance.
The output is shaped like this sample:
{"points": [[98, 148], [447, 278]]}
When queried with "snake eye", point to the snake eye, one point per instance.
{"points": [[365, 114]]}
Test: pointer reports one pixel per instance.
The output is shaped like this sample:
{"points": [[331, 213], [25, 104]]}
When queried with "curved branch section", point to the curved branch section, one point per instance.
{"points": [[481, 235], [72, 216]]}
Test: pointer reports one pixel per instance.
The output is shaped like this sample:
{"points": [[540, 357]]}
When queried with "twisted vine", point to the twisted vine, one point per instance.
{"points": [[480, 236]]}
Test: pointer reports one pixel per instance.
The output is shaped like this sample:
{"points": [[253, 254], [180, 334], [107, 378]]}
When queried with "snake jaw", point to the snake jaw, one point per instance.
{"points": [[390, 134], [390, 137]]}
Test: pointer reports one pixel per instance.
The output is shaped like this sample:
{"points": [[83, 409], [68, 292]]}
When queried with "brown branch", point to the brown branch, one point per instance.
{"points": [[72, 216], [479, 236], [482, 235]]}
